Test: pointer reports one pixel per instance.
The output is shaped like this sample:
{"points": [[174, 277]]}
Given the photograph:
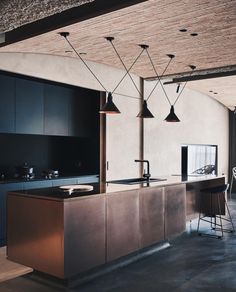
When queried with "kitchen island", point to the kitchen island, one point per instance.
{"points": [[63, 235]]}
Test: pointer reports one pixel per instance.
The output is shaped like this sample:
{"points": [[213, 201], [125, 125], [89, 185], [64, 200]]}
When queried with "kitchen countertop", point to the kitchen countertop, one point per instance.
{"points": [[40, 178], [55, 193]]}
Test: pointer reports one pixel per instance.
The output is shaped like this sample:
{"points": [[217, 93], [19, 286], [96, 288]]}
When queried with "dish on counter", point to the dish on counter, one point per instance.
{"points": [[76, 188]]}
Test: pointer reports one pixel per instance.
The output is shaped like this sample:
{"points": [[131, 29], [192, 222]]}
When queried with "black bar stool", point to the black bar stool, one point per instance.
{"points": [[212, 205]]}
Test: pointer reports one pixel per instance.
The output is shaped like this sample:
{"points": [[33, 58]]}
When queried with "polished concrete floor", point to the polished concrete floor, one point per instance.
{"points": [[191, 263]]}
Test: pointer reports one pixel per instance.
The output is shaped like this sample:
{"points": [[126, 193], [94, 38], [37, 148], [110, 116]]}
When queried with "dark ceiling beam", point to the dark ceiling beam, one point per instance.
{"points": [[200, 74], [67, 17]]}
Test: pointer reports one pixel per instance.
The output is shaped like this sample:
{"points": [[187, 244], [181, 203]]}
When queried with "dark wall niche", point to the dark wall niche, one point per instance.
{"points": [[48, 125]]}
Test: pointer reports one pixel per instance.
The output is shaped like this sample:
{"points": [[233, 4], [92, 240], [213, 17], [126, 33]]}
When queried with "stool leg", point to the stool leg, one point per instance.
{"points": [[221, 224], [200, 210], [231, 185]]}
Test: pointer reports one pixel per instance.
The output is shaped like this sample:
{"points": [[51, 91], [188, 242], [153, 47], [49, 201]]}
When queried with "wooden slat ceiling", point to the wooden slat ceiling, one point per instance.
{"points": [[156, 23]]}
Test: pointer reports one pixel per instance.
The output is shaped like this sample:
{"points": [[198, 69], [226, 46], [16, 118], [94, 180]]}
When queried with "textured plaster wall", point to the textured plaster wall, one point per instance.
{"points": [[203, 121], [15, 13]]}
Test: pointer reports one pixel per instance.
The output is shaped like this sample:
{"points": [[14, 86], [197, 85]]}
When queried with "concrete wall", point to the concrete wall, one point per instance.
{"points": [[203, 121]]}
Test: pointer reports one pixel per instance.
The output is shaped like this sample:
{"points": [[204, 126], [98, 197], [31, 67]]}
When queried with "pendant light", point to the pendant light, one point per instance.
{"points": [[109, 107], [172, 116], [145, 112]]}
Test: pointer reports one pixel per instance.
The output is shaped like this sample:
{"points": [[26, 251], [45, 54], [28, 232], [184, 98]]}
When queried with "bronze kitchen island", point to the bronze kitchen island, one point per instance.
{"points": [[63, 235]]}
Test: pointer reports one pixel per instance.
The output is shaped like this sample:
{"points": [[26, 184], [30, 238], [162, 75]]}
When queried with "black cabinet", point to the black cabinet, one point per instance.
{"points": [[7, 104], [29, 107], [56, 106]]}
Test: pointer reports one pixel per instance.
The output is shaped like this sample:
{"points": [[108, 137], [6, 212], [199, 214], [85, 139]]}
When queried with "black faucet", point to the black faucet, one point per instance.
{"points": [[145, 175]]}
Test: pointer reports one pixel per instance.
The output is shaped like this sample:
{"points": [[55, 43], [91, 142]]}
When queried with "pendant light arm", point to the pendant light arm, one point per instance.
{"points": [[127, 72], [65, 36], [158, 81], [110, 39], [158, 77], [193, 68]]}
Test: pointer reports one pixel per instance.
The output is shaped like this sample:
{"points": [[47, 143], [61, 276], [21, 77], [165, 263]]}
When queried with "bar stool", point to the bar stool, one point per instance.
{"points": [[232, 180], [212, 205]]}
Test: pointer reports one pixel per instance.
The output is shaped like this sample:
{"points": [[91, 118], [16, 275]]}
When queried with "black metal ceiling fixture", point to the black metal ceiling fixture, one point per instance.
{"points": [[109, 107], [145, 112]]}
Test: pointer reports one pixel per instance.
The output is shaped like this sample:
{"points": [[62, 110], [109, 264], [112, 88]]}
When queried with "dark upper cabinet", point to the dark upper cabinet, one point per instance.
{"points": [[29, 107], [7, 107], [36, 107], [56, 109], [84, 113]]}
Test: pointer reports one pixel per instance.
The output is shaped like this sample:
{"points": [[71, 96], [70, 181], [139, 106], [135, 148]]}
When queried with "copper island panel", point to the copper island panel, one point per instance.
{"points": [[122, 224], [35, 235], [84, 225], [175, 210], [151, 216]]}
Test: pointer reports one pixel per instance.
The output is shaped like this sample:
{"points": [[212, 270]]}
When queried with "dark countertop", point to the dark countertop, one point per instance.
{"points": [[55, 193], [39, 178]]}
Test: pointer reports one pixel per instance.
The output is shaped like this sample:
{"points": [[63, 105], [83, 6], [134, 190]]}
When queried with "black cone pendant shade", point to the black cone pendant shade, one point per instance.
{"points": [[172, 116], [109, 107], [145, 112]]}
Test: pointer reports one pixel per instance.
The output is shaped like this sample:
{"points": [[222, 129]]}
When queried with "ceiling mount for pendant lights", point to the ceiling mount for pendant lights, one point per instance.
{"points": [[109, 107]]}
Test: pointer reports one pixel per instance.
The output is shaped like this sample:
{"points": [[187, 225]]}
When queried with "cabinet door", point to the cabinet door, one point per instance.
{"points": [[56, 108], [151, 214], [175, 210], [7, 108], [29, 107], [4, 188], [122, 224]]}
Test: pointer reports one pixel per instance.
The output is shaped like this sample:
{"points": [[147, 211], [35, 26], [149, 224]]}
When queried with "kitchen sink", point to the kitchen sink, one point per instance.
{"points": [[133, 181]]}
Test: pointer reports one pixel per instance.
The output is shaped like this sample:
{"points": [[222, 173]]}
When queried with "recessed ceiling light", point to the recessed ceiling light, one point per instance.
{"points": [[183, 30], [194, 34]]}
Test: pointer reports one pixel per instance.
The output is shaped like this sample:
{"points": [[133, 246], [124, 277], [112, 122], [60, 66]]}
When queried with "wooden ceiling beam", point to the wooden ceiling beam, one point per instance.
{"points": [[67, 17]]}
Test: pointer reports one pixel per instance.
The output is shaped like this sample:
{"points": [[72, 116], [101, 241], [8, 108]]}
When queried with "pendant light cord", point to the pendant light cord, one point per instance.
{"points": [[85, 64], [193, 68], [158, 81], [158, 76], [127, 71]]}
